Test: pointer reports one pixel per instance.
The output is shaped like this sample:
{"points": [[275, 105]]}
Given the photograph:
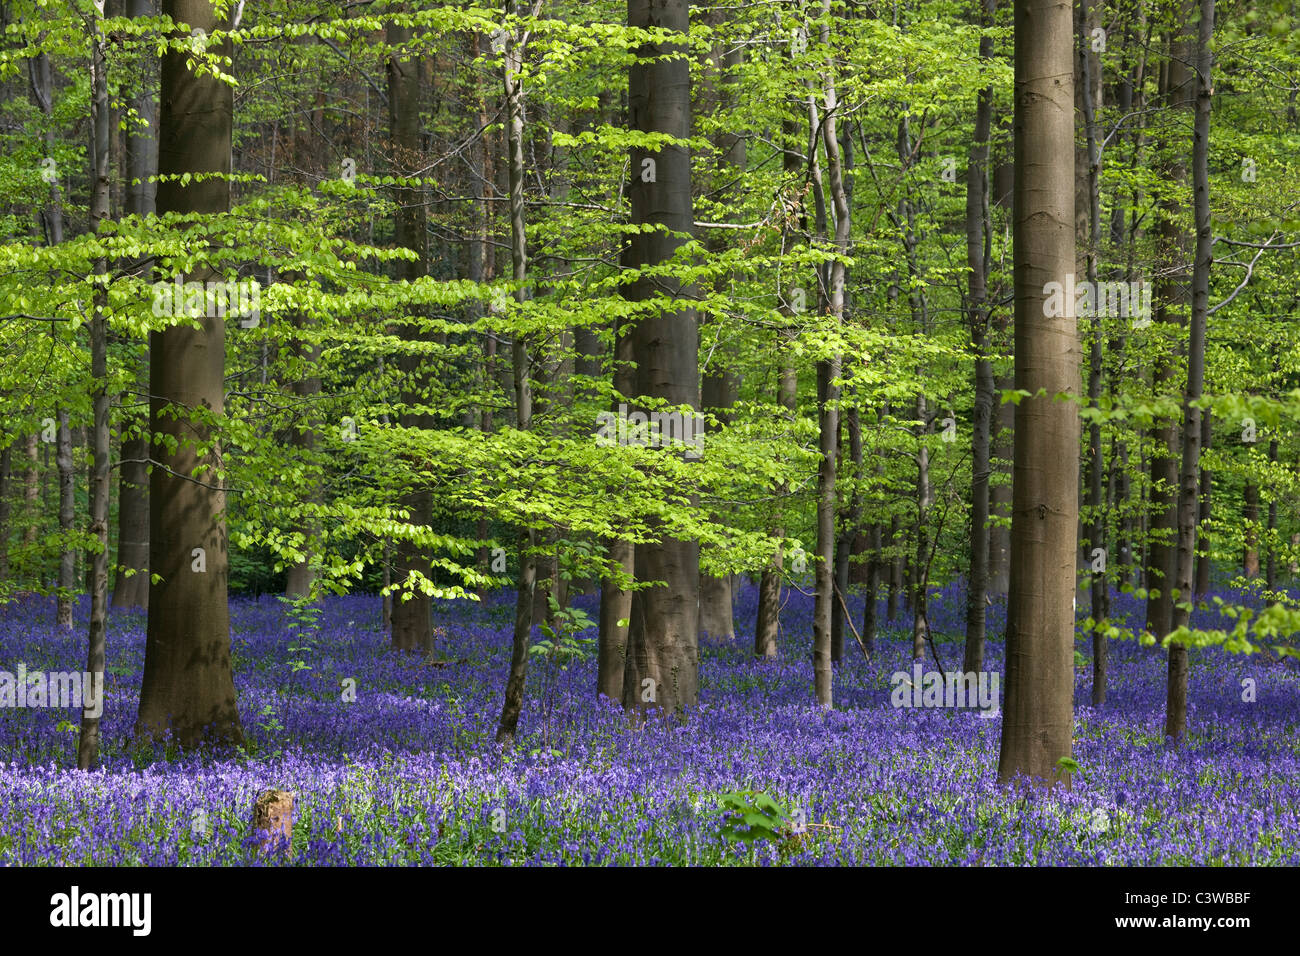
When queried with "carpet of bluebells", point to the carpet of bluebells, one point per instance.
{"points": [[408, 772]]}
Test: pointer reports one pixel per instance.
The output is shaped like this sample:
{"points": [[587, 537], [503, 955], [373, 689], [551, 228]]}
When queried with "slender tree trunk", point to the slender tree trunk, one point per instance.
{"points": [[96, 643], [895, 570], [716, 616], [131, 585], [1270, 567], [67, 518], [918, 578], [977, 232], [1089, 67], [31, 495], [828, 389], [1171, 295], [919, 583], [300, 576], [720, 383], [521, 364], [1038, 717], [768, 623], [1250, 516], [1001, 447], [870, 612], [1203, 520], [1188, 493], [412, 613], [6, 472], [848, 535], [616, 601], [188, 686], [40, 74]]}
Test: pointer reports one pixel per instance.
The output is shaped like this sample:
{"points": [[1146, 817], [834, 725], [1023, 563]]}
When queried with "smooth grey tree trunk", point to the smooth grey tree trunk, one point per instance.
{"points": [[828, 387], [1089, 97], [977, 238], [662, 660], [96, 642], [1038, 718], [188, 687], [140, 145], [411, 624], [1188, 492], [1170, 297]]}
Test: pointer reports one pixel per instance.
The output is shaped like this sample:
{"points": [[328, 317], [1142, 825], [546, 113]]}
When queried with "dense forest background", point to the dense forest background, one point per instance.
{"points": [[637, 310]]}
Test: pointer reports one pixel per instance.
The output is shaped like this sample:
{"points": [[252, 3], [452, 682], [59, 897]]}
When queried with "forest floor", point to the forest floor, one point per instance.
{"points": [[407, 773]]}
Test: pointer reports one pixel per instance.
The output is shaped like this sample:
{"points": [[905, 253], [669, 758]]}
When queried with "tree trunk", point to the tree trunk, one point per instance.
{"points": [[848, 536], [616, 601], [412, 614], [767, 626], [1203, 520], [31, 495], [919, 583], [40, 74], [96, 643], [521, 365], [1170, 294], [895, 570], [6, 472], [1188, 493], [1001, 448], [828, 389], [720, 383], [1270, 567], [662, 661], [131, 584], [1038, 717], [188, 687], [869, 613], [1250, 516], [1089, 68], [977, 232], [716, 617], [67, 518]]}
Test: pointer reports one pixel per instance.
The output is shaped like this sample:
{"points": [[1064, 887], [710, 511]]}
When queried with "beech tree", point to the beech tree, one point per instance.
{"points": [[1038, 719], [662, 656], [188, 688]]}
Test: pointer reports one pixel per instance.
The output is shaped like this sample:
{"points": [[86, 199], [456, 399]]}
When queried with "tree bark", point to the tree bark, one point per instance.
{"points": [[1170, 295], [521, 365], [412, 613], [767, 625], [662, 661], [96, 642], [1038, 717], [131, 584], [1203, 519], [1250, 516], [1001, 451], [870, 613], [720, 382], [67, 519], [1188, 492], [1270, 565], [1089, 67], [188, 687], [828, 388], [6, 472], [977, 236], [616, 601]]}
